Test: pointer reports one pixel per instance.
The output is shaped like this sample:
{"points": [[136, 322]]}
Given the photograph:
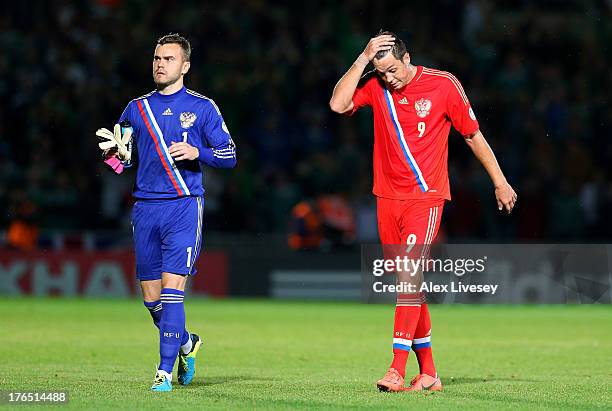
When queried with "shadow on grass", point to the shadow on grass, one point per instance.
{"points": [[228, 380], [480, 380]]}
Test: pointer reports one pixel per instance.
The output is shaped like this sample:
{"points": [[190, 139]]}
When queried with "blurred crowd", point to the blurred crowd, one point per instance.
{"points": [[537, 76]]}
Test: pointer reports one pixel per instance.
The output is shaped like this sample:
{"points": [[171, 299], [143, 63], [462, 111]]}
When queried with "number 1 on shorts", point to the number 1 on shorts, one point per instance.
{"points": [[189, 256]]}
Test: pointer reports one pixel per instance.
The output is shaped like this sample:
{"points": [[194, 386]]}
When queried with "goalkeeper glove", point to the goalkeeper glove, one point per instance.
{"points": [[114, 163], [114, 144]]}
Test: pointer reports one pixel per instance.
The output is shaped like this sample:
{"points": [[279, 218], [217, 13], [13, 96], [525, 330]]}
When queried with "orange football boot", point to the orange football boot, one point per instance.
{"points": [[424, 382], [392, 381]]}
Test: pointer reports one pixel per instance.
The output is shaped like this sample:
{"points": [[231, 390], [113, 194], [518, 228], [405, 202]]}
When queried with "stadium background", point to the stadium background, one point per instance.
{"points": [[537, 74]]}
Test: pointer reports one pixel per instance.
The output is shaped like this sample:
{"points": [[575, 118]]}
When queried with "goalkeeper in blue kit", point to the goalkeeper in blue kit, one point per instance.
{"points": [[170, 131]]}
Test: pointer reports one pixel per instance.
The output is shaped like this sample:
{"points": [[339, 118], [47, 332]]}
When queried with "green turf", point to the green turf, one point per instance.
{"points": [[265, 354]]}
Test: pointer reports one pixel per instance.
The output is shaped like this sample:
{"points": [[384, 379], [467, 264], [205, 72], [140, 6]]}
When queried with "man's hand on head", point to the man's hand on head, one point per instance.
{"points": [[383, 42]]}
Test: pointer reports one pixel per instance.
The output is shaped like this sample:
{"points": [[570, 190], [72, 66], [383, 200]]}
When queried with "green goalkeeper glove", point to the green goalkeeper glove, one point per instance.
{"points": [[114, 141]]}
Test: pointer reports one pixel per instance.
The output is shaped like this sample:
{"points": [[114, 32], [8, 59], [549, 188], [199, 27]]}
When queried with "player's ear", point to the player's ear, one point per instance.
{"points": [[186, 65], [406, 59]]}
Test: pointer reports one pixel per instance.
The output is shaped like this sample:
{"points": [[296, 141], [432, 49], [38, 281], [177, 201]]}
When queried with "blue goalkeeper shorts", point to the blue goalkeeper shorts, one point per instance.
{"points": [[167, 236]]}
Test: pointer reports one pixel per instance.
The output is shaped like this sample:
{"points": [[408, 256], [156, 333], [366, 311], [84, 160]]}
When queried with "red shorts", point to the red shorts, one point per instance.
{"points": [[408, 221]]}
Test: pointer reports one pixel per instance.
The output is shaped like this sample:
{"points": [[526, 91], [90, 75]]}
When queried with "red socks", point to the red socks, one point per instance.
{"points": [[412, 329], [421, 343], [407, 314]]}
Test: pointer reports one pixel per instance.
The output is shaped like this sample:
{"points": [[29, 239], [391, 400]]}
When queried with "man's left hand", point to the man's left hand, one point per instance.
{"points": [[183, 151], [506, 197]]}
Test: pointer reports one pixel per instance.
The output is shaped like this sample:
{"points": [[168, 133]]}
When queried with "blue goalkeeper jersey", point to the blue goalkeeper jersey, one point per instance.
{"points": [[158, 120]]}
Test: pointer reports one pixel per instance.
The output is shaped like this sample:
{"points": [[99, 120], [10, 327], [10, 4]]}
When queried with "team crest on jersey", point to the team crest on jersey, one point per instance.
{"points": [[422, 107], [187, 119]]}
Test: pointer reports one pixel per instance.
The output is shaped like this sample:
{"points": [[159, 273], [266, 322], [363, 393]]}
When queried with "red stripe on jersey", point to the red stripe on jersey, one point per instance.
{"points": [[159, 153], [452, 78]]}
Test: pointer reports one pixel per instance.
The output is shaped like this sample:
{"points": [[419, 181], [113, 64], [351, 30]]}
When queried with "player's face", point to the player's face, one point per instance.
{"points": [[394, 72], [169, 64]]}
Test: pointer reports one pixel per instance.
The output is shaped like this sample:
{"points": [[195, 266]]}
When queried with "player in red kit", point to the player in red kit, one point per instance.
{"points": [[414, 108]]}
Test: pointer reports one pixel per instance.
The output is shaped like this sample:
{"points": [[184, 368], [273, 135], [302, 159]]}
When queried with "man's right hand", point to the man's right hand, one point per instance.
{"points": [[342, 96], [379, 43], [110, 140]]}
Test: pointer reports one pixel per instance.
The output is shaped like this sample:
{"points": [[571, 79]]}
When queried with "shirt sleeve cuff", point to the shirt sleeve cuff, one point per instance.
{"points": [[206, 155]]}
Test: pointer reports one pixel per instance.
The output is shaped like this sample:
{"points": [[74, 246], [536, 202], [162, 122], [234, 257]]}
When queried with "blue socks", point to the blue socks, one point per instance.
{"points": [[155, 309], [171, 327]]}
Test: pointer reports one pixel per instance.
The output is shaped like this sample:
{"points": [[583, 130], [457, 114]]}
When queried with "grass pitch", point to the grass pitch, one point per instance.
{"points": [[283, 355]]}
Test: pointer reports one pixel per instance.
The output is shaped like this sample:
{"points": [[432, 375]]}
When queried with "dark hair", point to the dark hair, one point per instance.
{"points": [[175, 38], [398, 50]]}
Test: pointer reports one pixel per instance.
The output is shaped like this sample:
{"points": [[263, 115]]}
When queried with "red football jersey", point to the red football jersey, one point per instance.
{"points": [[411, 128]]}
